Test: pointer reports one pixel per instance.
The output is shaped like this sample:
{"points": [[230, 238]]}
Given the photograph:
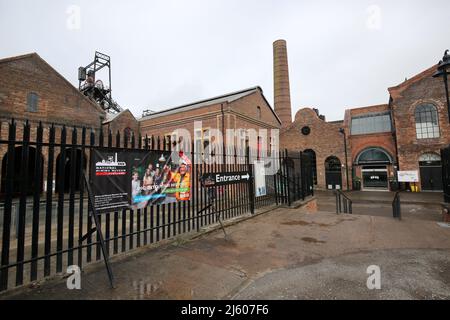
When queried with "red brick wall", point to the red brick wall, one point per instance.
{"points": [[358, 143], [122, 121], [425, 90], [241, 113], [58, 100], [324, 139]]}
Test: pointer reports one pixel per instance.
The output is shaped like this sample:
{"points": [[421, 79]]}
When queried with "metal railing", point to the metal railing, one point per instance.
{"points": [[44, 213], [396, 206], [343, 203]]}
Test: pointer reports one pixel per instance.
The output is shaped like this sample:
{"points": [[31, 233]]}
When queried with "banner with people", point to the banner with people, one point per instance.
{"points": [[135, 179]]}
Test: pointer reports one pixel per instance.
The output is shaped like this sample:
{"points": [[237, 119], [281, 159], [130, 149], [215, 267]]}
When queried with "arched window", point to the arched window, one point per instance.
{"points": [[312, 154], [429, 158], [373, 156], [427, 122], [332, 163]]}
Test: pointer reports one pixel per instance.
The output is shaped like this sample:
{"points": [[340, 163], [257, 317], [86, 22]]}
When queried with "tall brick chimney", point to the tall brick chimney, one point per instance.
{"points": [[281, 91]]}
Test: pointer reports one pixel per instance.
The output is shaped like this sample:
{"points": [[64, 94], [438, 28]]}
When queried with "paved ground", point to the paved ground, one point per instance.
{"points": [[286, 253], [405, 274]]}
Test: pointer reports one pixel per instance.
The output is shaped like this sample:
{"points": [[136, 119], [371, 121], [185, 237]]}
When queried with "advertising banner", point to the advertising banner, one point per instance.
{"points": [[260, 179], [134, 179]]}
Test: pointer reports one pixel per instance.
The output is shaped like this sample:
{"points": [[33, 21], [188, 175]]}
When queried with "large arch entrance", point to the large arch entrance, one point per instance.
{"points": [[374, 163], [333, 175], [430, 172], [68, 162], [31, 171]]}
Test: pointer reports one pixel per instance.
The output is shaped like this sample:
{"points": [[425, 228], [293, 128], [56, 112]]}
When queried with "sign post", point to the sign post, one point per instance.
{"points": [[98, 229], [216, 179]]}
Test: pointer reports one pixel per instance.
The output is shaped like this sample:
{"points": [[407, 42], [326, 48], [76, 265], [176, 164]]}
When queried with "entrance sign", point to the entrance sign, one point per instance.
{"points": [[260, 179], [408, 176], [224, 178], [134, 179]]}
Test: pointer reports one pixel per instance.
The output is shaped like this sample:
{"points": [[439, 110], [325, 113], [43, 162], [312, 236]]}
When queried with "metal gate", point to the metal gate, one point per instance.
{"points": [[295, 177], [445, 158]]}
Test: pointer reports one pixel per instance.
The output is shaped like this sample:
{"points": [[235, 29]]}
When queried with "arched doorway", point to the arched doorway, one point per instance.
{"points": [[67, 163], [430, 172], [333, 175], [31, 172], [312, 155], [374, 164]]}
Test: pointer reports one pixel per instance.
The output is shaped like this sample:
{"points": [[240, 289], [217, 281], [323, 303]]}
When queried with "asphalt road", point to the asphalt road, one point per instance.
{"points": [[404, 274]]}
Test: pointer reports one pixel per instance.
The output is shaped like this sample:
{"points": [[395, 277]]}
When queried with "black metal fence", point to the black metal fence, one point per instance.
{"points": [[295, 177], [44, 212], [445, 158]]}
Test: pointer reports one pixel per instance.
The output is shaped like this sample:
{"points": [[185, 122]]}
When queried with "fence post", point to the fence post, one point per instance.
{"points": [[302, 176], [275, 188], [6, 233], [250, 182], [288, 189]]}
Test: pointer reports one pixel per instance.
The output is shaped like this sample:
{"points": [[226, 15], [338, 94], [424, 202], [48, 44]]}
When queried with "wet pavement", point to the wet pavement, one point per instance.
{"points": [[282, 254]]}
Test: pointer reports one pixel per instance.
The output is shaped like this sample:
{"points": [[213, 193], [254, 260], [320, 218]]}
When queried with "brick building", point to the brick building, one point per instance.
{"points": [[310, 133], [406, 134], [31, 90], [246, 109], [421, 121]]}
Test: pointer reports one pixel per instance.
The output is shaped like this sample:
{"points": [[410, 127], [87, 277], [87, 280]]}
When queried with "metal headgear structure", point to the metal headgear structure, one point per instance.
{"points": [[95, 89]]}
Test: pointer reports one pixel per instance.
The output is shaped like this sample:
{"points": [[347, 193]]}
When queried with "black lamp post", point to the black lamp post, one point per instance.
{"points": [[443, 71], [342, 130]]}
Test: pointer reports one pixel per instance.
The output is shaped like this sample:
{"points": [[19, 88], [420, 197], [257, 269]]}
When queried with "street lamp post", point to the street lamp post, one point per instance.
{"points": [[443, 71], [342, 130]]}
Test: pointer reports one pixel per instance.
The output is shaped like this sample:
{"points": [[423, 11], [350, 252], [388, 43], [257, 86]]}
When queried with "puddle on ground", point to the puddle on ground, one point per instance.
{"points": [[306, 223], [312, 240]]}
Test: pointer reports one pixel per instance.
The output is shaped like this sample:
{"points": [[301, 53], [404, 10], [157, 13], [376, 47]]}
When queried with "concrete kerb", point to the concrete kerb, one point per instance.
{"points": [[137, 252]]}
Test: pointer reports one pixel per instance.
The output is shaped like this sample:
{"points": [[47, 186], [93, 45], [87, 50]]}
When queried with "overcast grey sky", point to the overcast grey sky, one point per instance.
{"points": [[166, 53]]}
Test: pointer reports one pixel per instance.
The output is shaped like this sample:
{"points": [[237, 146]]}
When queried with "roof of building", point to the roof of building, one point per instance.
{"points": [[396, 91], [372, 107], [112, 116], [229, 97]]}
